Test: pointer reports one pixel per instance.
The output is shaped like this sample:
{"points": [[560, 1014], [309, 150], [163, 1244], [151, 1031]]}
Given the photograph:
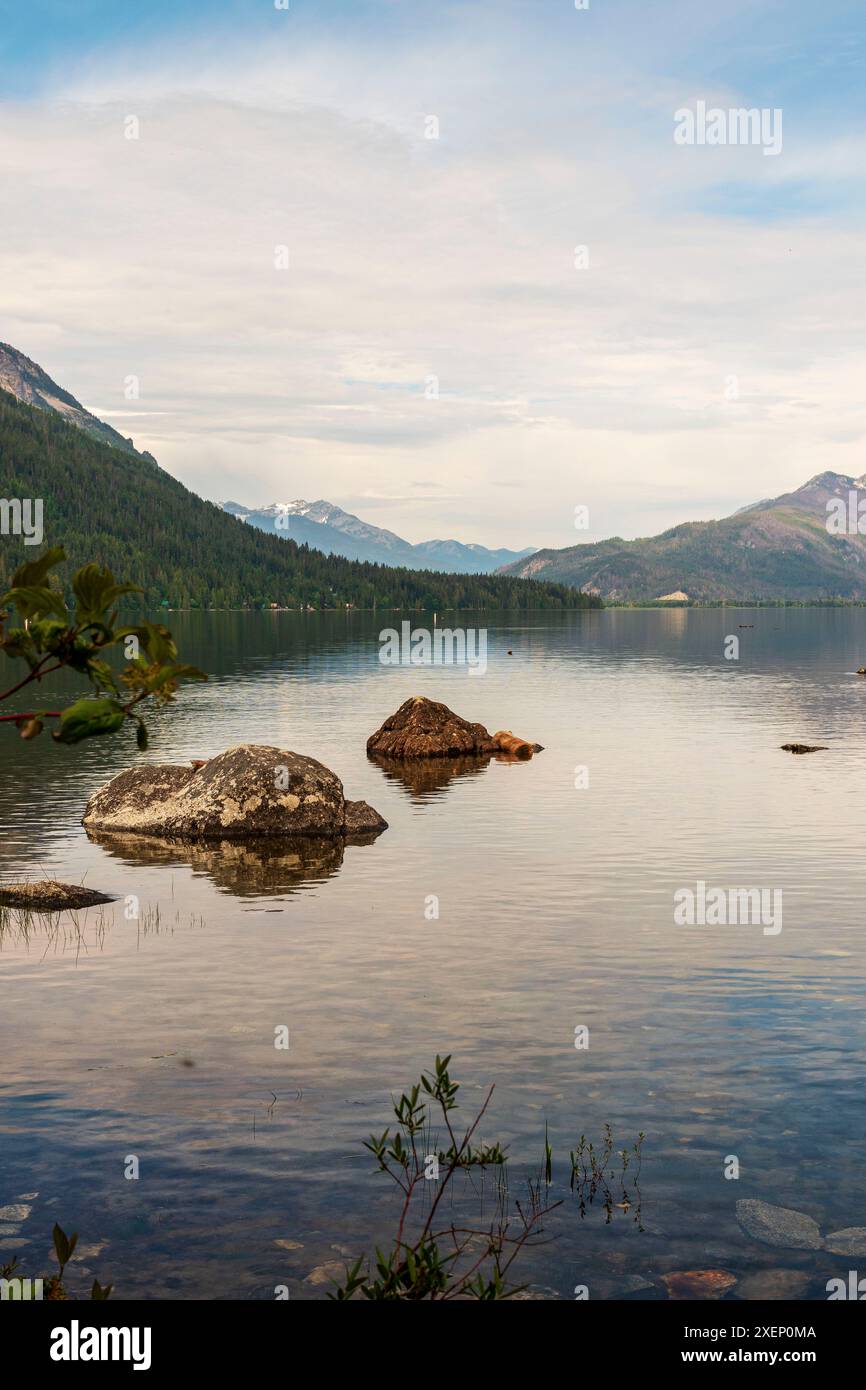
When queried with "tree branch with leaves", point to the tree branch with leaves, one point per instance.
{"points": [[52, 637]]}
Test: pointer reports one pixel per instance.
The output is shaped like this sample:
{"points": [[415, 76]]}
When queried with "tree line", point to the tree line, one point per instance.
{"points": [[112, 508]]}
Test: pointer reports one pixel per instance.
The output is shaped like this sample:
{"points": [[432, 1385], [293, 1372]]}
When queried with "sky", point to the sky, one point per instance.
{"points": [[446, 264]]}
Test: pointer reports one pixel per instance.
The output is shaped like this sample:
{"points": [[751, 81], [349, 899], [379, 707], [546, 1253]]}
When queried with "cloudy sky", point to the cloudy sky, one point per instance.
{"points": [[435, 355]]}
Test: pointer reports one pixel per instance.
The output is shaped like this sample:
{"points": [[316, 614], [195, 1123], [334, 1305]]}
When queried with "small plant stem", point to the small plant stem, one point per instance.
{"points": [[455, 1162]]}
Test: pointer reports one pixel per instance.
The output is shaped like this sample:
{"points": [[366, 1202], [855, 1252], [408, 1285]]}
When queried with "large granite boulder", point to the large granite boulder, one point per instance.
{"points": [[247, 791], [424, 728]]}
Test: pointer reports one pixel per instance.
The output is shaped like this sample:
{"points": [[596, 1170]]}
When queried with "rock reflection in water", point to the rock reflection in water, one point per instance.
{"points": [[247, 868], [426, 778]]}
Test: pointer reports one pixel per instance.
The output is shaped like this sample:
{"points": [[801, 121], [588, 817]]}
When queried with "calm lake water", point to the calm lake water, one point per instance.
{"points": [[155, 1037]]}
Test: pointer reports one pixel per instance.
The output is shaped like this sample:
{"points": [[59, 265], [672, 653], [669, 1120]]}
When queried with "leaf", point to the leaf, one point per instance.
{"points": [[141, 736], [100, 673], [155, 638], [18, 642], [88, 719], [35, 571], [37, 601], [50, 634], [64, 1244], [31, 728], [100, 1291], [169, 675], [95, 591]]}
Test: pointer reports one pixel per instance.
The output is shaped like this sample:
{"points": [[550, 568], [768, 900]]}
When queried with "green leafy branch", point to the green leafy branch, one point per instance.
{"points": [[52, 637], [438, 1262]]}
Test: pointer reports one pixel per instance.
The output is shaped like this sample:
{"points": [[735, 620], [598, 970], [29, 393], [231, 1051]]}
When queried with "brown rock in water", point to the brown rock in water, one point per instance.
{"points": [[361, 819], [247, 791], [698, 1283], [46, 895], [424, 728], [804, 747]]}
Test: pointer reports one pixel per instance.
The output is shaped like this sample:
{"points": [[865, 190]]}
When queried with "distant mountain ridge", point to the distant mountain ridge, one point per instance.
{"points": [[105, 502], [334, 531], [31, 384], [776, 549]]}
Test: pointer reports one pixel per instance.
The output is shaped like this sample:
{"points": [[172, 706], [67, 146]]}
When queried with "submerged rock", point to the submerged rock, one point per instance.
{"points": [[778, 1225], [248, 791], [46, 895], [851, 1242], [698, 1283], [331, 1272], [774, 1284], [804, 747], [423, 728]]}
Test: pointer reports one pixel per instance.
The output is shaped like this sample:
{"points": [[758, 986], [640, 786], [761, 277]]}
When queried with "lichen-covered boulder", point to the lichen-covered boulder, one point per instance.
{"points": [[424, 728], [251, 790]]}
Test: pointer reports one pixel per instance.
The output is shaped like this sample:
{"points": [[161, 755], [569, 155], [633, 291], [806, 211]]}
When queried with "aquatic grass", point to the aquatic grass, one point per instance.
{"points": [[592, 1175], [62, 930]]}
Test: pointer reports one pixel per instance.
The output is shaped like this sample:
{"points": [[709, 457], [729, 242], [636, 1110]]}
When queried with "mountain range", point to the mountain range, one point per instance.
{"points": [[328, 528], [104, 501], [776, 549], [109, 501]]}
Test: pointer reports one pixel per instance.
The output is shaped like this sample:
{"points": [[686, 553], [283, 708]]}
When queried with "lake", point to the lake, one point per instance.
{"points": [[154, 1036]]}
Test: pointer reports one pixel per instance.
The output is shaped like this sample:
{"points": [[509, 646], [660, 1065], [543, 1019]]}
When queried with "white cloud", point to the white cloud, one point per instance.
{"points": [[411, 258]]}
